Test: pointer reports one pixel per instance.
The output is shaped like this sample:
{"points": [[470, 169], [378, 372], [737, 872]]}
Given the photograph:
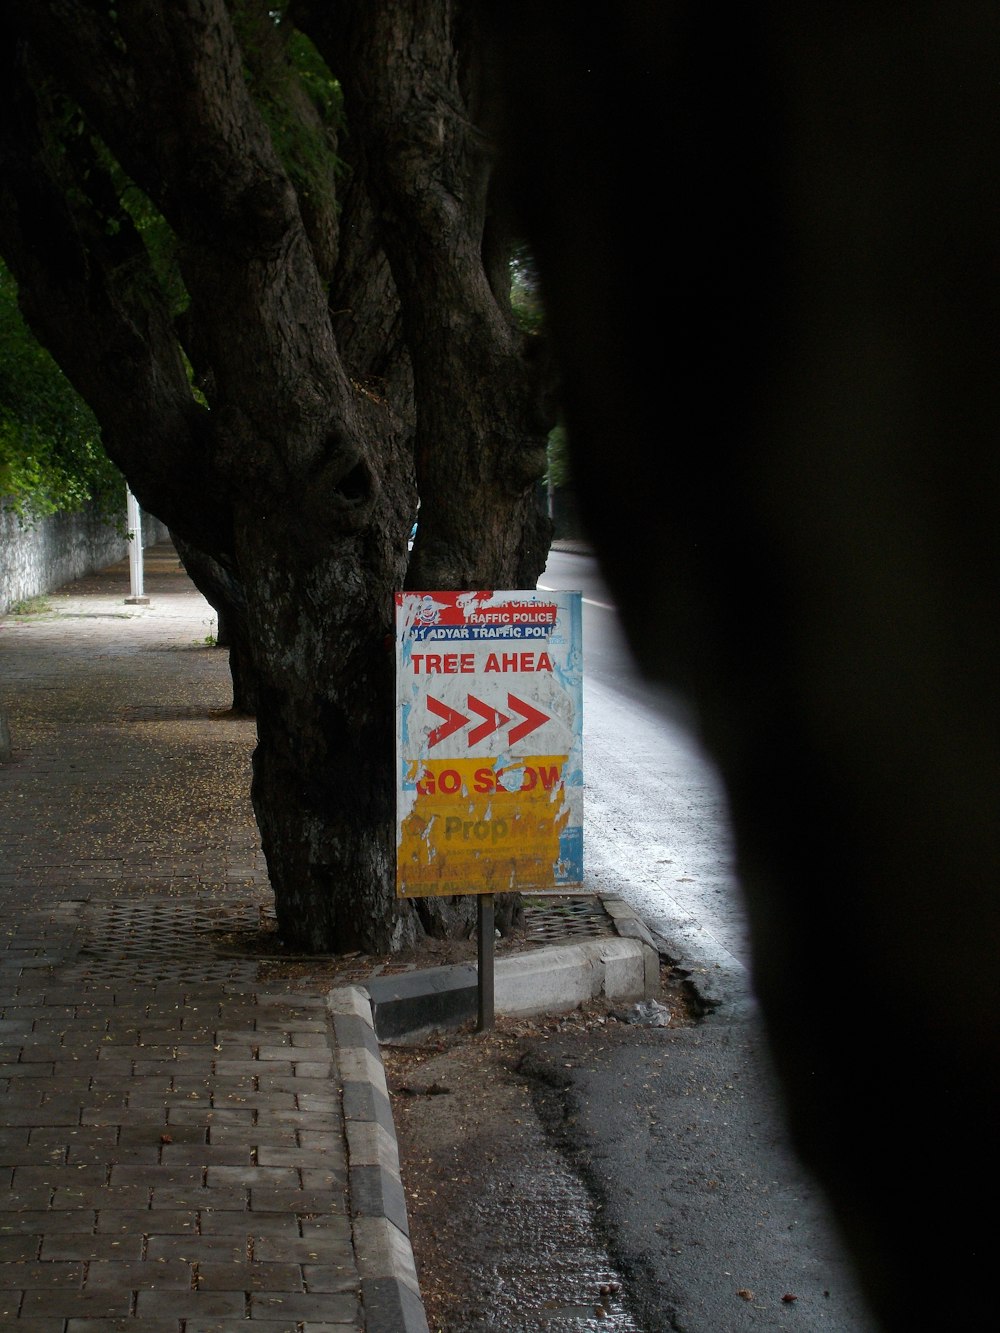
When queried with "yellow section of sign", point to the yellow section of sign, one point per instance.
{"points": [[480, 826]]}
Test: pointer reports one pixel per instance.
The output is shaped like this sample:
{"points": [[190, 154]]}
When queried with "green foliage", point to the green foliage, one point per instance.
{"points": [[284, 73], [157, 236], [525, 297], [30, 606], [51, 458], [559, 472], [317, 80], [526, 302]]}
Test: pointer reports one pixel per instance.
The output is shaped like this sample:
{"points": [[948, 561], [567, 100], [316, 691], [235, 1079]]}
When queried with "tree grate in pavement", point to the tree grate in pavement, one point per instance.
{"points": [[564, 918], [165, 940]]}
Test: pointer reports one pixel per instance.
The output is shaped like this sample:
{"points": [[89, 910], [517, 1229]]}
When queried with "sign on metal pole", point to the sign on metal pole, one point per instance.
{"points": [[489, 744]]}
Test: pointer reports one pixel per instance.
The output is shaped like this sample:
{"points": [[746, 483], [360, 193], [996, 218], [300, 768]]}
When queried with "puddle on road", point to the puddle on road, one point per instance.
{"points": [[548, 1268], [504, 1234]]}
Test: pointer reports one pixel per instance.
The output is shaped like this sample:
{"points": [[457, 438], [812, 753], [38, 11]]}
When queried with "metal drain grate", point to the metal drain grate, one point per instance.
{"points": [[556, 919], [164, 940]]}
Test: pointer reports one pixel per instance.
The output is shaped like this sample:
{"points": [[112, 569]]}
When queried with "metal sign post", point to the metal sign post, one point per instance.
{"points": [[489, 749], [486, 954]]}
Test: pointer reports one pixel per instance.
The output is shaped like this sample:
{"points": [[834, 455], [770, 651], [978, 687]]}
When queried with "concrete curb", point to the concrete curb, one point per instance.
{"points": [[390, 1291], [563, 977], [547, 980]]}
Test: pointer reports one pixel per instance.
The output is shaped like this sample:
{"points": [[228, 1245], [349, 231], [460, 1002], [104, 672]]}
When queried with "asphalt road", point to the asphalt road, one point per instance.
{"points": [[656, 828], [679, 1135]]}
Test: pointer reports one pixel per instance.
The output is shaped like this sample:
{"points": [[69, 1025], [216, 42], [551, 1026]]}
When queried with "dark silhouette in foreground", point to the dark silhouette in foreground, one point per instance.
{"points": [[768, 249]]}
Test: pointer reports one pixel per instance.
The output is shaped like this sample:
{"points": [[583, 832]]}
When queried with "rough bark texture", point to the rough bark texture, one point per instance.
{"points": [[347, 348], [224, 593], [793, 488]]}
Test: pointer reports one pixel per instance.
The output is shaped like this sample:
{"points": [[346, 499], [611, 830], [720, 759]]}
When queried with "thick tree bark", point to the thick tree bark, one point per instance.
{"points": [[421, 102], [222, 590], [347, 349]]}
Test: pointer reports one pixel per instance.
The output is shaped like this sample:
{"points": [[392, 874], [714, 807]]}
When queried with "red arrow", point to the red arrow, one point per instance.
{"points": [[532, 719], [452, 721], [493, 718]]}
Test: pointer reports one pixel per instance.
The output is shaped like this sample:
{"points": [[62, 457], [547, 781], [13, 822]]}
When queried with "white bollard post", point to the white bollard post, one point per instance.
{"points": [[134, 522]]}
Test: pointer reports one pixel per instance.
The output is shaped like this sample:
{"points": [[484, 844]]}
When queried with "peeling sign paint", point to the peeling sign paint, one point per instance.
{"points": [[488, 742]]}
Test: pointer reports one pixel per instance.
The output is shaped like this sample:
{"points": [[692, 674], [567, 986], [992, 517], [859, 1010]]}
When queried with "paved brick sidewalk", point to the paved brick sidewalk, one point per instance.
{"points": [[173, 1149]]}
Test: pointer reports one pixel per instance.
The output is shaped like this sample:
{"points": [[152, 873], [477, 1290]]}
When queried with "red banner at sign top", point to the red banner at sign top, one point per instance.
{"points": [[481, 608]]}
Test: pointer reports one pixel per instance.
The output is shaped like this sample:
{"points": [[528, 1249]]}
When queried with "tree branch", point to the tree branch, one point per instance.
{"points": [[79, 262]]}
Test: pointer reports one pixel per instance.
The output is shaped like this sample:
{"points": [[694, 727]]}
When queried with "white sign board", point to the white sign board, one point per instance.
{"points": [[489, 720]]}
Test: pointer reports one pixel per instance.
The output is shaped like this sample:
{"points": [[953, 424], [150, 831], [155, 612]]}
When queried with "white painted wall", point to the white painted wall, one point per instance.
{"points": [[58, 549]]}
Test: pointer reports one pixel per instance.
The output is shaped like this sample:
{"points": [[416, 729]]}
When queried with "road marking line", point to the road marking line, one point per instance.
{"points": [[545, 587]]}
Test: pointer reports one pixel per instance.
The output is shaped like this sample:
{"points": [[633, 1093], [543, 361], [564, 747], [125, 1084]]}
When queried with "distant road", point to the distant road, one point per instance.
{"points": [[679, 1133], [656, 829]]}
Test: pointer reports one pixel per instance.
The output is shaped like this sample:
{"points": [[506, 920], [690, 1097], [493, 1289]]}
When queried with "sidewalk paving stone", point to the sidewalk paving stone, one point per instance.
{"points": [[173, 1148]]}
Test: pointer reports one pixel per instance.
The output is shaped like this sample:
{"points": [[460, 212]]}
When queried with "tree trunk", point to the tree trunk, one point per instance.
{"points": [[323, 791], [480, 424], [351, 338], [222, 590]]}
